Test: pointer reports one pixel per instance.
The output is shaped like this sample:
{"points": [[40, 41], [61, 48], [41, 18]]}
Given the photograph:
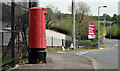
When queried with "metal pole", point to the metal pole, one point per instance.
{"points": [[62, 43], [98, 27], [52, 42], [110, 30], [74, 22], [104, 28]]}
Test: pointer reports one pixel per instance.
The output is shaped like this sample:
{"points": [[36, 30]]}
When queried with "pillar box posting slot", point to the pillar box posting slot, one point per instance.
{"points": [[37, 35]]}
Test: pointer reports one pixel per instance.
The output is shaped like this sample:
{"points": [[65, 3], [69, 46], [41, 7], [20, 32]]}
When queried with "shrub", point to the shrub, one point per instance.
{"points": [[114, 31], [60, 29]]}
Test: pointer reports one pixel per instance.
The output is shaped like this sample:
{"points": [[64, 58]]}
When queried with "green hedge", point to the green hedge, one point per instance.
{"points": [[115, 33], [60, 29]]}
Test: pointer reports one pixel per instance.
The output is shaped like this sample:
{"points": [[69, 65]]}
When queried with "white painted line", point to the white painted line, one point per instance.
{"points": [[60, 52], [93, 61], [101, 48], [76, 53], [116, 45], [81, 53]]}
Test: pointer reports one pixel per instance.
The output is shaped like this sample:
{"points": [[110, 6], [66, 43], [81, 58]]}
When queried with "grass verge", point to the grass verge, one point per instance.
{"points": [[56, 49]]}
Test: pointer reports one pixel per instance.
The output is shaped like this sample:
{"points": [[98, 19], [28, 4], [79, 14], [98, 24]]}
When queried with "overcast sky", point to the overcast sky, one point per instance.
{"points": [[63, 5], [112, 5]]}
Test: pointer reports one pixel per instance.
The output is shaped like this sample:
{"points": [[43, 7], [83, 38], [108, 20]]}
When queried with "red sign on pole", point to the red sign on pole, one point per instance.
{"points": [[91, 31]]}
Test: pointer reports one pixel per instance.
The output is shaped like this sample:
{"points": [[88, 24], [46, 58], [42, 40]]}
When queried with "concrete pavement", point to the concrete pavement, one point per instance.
{"points": [[66, 60]]}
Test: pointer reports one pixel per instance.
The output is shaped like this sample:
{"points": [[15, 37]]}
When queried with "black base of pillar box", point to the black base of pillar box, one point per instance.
{"points": [[37, 56]]}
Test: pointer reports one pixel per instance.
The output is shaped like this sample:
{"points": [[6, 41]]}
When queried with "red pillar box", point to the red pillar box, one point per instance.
{"points": [[37, 35]]}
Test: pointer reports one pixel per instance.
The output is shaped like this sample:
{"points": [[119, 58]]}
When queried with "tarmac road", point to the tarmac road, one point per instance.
{"points": [[106, 58]]}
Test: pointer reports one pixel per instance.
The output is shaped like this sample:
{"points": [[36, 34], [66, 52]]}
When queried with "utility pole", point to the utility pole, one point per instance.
{"points": [[12, 30], [73, 23]]}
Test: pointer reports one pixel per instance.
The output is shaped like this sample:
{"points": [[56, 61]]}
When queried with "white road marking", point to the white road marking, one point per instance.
{"points": [[101, 48], [116, 45], [61, 52], [76, 53], [81, 53]]}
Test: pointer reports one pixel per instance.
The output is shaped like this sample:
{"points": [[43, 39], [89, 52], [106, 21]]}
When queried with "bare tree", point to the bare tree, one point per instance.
{"points": [[81, 18], [53, 15]]}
